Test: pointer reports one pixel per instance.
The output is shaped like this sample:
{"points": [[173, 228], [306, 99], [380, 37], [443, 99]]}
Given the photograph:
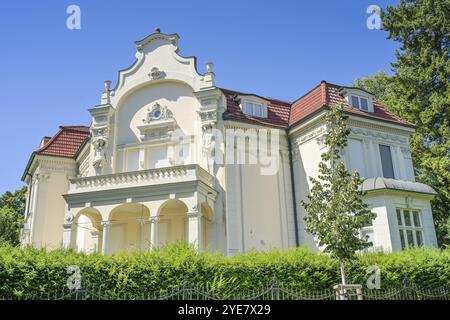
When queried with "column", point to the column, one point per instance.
{"points": [[67, 229], [154, 231], [67, 236], [105, 238], [195, 230], [95, 237]]}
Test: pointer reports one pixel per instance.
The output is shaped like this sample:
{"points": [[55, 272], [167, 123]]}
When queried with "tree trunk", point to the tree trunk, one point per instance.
{"points": [[341, 267]]}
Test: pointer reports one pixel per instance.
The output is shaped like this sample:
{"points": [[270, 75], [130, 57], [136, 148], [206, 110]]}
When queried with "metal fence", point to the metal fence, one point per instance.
{"points": [[272, 291]]}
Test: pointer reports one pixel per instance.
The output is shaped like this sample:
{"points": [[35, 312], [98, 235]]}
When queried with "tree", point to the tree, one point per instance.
{"points": [[419, 92], [335, 211], [381, 85], [12, 207]]}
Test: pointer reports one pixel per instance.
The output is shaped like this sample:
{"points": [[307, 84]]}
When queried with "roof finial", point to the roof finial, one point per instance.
{"points": [[107, 85], [157, 30], [209, 67], [106, 95]]}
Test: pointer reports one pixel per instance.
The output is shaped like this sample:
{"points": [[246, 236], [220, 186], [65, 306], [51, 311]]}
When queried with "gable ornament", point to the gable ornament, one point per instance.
{"points": [[158, 112], [156, 74]]}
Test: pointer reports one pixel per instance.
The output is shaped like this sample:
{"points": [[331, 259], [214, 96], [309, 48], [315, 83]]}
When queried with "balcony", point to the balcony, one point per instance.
{"points": [[151, 177]]}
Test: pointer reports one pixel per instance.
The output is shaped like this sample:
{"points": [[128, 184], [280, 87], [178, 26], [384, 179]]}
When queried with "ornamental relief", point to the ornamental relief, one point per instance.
{"points": [[157, 112], [156, 74], [206, 116], [316, 133], [378, 135], [159, 123]]}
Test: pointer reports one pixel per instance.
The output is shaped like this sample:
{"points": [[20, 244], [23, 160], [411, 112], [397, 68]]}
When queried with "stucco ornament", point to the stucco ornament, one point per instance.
{"points": [[158, 112], [156, 74], [100, 156], [209, 143], [68, 218]]}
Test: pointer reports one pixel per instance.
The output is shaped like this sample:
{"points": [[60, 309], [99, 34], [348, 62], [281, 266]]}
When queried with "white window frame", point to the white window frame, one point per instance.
{"points": [[254, 103], [359, 102], [403, 228], [349, 93]]}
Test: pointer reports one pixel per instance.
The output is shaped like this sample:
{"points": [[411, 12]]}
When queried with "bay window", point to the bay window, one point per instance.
{"points": [[410, 227]]}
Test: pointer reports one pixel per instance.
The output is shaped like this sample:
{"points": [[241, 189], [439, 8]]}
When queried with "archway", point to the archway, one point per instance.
{"points": [[88, 228], [173, 222], [129, 229]]}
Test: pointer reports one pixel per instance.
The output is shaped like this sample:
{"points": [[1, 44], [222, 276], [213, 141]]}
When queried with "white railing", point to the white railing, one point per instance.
{"points": [[191, 172]]}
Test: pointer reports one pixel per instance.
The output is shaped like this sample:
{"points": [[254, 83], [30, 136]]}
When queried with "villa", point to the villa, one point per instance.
{"points": [[170, 156]]}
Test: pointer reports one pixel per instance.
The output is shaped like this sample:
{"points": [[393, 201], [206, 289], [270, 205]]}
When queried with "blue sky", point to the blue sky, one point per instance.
{"points": [[51, 75]]}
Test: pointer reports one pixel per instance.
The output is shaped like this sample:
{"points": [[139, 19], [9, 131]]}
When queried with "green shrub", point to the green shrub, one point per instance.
{"points": [[27, 272]]}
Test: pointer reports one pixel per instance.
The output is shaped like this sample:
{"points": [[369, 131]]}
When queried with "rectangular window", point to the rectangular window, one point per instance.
{"points": [[356, 156], [399, 217], [248, 108], [132, 159], [416, 218], [402, 240], [254, 109], [258, 110], [355, 102], [386, 161], [359, 103], [364, 104], [157, 157], [410, 228], [419, 238]]}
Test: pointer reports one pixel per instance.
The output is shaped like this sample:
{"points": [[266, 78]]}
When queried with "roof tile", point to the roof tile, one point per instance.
{"points": [[66, 142]]}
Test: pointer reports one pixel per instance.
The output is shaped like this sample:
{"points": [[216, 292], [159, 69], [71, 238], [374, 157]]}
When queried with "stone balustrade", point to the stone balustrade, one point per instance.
{"points": [[157, 176]]}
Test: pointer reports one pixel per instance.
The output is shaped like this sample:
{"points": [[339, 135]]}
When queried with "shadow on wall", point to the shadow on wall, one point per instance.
{"points": [[176, 96]]}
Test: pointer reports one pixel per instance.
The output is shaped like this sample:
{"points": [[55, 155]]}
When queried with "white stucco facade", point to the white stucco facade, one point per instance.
{"points": [[144, 176]]}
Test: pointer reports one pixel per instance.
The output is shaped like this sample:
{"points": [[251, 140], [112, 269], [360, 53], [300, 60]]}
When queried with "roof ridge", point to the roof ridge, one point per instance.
{"points": [[50, 141]]}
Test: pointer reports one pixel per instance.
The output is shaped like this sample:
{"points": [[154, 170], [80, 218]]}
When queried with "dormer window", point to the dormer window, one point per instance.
{"points": [[254, 108], [360, 103], [358, 99]]}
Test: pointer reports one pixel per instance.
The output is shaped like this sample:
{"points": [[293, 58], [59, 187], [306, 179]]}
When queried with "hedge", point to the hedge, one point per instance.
{"points": [[25, 272]]}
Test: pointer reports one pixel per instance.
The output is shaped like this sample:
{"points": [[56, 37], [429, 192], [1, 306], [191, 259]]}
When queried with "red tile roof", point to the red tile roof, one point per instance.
{"points": [[327, 95], [66, 142], [277, 110], [284, 114]]}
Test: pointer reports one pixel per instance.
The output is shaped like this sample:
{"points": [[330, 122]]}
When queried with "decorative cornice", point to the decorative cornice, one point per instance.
{"points": [[48, 165], [378, 135], [172, 38], [309, 135], [379, 126]]}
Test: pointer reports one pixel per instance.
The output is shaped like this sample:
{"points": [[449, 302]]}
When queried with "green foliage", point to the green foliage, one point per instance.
{"points": [[26, 272], [381, 85], [419, 92], [12, 207], [335, 212]]}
